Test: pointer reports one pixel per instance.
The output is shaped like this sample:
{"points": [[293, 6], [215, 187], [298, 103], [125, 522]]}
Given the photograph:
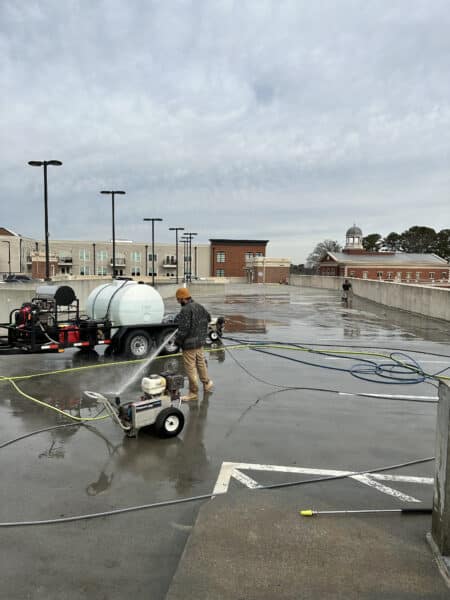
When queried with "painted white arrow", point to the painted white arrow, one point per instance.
{"points": [[234, 470]]}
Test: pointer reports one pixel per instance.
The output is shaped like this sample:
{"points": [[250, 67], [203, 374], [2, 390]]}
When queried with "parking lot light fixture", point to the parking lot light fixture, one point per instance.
{"points": [[45, 163], [176, 229], [153, 219], [112, 193]]}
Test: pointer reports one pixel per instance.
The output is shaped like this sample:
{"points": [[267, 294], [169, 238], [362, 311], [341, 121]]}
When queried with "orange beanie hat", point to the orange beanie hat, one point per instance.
{"points": [[183, 293]]}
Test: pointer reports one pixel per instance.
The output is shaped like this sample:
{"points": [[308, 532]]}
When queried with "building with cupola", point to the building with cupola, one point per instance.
{"points": [[402, 267]]}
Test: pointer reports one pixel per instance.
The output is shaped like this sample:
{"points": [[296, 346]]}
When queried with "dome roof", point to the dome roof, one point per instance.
{"points": [[354, 232]]}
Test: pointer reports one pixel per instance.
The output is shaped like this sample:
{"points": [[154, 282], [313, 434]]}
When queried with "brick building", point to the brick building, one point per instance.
{"points": [[354, 261], [260, 269], [228, 257]]}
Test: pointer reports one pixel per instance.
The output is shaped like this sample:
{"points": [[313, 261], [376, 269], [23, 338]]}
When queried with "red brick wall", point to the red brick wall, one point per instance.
{"points": [[38, 269], [330, 269], [234, 257], [358, 272]]}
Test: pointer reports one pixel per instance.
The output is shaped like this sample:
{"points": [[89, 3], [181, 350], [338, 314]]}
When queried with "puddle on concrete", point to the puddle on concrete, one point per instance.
{"points": [[258, 299]]}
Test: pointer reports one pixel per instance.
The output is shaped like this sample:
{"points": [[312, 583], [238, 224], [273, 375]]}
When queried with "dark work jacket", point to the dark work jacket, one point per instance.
{"points": [[192, 322]]}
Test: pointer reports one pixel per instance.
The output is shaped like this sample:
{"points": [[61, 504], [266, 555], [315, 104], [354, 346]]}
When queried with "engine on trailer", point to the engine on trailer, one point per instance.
{"points": [[51, 316]]}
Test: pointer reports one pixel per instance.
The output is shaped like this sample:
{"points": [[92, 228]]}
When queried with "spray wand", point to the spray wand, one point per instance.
{"points": [[403, 511]]}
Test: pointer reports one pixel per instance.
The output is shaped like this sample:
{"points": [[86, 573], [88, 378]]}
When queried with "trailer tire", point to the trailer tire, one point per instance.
{"points": [[214, 336], [169, 422], [137, 344], [171, 348]]}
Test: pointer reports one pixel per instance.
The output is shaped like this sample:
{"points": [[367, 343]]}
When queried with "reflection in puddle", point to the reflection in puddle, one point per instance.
{"points": [[242, 323], [181, 460], [283, 298]]}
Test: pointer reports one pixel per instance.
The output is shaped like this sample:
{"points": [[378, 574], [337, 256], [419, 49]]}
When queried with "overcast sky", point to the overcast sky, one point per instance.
{"points": [[280, 120]]}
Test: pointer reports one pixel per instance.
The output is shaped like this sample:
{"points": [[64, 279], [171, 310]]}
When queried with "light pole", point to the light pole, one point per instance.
{"points": [[195, 262], [9, 255], [113, 193], [153, 219], [184, 240], [176, 229], [45, 163], [189, 235]]}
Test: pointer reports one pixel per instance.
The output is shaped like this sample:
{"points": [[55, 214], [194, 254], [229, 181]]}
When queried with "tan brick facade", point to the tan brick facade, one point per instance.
{"points": [[268, 270]]}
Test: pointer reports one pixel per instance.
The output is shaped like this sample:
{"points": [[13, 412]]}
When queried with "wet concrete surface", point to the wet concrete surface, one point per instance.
{"points": [[82, 470]]}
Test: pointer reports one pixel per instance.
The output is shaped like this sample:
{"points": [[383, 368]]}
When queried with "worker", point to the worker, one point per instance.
{"points": [[346, 290], [192, 322]]}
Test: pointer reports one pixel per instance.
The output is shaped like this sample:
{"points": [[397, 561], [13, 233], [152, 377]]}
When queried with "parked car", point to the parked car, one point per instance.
{"points": [[17, 279]]}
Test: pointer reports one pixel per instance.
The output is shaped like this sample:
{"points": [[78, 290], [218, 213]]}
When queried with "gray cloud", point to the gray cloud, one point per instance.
{"points": [[282, 120]]}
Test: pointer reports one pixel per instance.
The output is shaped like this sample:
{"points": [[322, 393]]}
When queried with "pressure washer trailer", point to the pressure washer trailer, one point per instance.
{"points": [[159, 406]]}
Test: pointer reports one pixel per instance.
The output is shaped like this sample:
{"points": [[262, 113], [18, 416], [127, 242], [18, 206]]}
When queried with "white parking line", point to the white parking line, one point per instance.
{"points": [[432, 399], [233, 470]]}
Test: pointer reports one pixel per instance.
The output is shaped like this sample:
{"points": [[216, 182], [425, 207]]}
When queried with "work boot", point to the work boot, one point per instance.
{"points": [[189, 397], [208, 386]]}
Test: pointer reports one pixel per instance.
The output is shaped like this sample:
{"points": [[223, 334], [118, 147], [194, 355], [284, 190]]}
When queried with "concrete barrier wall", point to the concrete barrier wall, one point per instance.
{"points": [[418, 299]]}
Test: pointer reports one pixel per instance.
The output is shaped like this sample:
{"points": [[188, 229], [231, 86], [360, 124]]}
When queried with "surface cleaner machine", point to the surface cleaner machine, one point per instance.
{"points": [[159, 406]]}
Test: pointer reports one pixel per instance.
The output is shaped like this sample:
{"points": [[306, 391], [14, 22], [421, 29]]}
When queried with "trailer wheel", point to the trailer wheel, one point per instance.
{"points": [[169, 422], [214, 336], [137, 344], [171, 347]]}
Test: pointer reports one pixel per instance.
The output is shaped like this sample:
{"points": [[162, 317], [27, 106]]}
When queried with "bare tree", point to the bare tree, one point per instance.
{"points": [[320, 251]]}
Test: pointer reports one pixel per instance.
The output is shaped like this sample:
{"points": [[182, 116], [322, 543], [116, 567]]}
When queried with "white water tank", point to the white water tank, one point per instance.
{"points": [[125, 303]]}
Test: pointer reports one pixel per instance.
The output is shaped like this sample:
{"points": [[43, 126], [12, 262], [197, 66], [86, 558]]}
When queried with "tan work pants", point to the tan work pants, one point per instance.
{"points": [[194, 360]]}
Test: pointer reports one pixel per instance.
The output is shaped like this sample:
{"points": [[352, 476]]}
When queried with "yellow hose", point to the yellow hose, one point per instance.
{"points": [[15, 378]]}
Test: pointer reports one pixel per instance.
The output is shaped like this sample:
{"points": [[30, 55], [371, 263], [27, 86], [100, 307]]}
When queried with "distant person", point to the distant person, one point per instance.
{"points": [[346, 290], [192, 322]]}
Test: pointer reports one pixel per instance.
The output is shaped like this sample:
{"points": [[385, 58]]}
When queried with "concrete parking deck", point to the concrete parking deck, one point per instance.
{"points": [[250, 420], [255, 546]]}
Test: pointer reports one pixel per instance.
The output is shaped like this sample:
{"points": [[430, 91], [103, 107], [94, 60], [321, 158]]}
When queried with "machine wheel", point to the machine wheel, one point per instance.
{"points": [[214, 336], [169, 422], [137, 344]]}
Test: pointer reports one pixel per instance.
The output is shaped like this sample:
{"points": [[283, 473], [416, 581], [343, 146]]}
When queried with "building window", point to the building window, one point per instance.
{"points": [[351, 274], [102, 255], [389, 275], [380, 274], [248, 255], [170, 260], [417, 274], [136, 257], [431, 275], [220, 257], [102, 271], [135, 271], [444, 275], [408, 276], [220, 272], [365, 274], [85, 254], [155, 257], [258, 254], [85, 270]]}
